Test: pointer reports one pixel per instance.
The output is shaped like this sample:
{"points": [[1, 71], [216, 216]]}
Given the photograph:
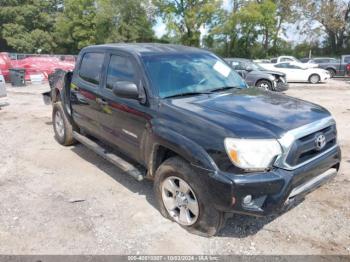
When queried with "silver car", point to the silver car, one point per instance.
{"points": [[257, 76]]}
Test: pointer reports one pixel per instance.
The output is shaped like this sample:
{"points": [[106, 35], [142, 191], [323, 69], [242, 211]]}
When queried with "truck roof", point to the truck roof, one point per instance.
{"points": [[146, 48]]}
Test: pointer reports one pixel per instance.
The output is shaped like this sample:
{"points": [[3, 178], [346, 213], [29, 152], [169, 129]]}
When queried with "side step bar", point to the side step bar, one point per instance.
{"points": [[113, 158]]}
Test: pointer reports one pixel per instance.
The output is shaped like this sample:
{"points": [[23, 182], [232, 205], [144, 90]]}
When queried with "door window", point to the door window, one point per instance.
{"points": [[240, 66], [286, 59], [235, 65], [282, 65], [120, 69], [91, 66]]}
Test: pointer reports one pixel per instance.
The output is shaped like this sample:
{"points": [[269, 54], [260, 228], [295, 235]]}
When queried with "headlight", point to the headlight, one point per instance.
{"points": [[252, 154]]}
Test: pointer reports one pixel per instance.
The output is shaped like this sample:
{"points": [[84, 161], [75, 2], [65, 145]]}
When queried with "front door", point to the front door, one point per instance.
{"points": [[85, 92], [123, 121]]}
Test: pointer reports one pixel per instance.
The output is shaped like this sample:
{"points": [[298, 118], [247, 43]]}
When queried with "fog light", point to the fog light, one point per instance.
{"points": [[247, 200]]}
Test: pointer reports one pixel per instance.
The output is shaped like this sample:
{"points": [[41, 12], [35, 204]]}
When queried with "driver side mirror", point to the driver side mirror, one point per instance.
{"points": [[126, 89], [249, 68]]}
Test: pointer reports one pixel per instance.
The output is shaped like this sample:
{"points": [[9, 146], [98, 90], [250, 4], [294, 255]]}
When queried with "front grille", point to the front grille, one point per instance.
{"points": [[304, 148]]}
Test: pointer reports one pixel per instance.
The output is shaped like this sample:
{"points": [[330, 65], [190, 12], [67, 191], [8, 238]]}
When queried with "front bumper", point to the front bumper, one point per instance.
{"points": [[325, 77], [281, 85], [270, 191]]}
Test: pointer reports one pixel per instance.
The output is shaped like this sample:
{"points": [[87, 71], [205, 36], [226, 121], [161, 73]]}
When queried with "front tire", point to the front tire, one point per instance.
{"points": [[181, 199], [314, 79], [61, 125], [331, 72], [265, 85]]}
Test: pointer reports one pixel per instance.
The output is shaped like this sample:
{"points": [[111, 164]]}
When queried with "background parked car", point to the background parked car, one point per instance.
{"points": [[255, 75], [292, 59], [336, 67], [2, 86], [305, 59], [2, 90], [296, 73], [5, 64]]}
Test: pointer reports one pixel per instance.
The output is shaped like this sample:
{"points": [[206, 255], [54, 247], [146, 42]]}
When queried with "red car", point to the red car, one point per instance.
{"points": [[5, 65], [36, 65]]}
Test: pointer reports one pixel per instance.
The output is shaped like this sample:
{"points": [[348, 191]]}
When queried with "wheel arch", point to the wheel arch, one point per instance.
{"points": [[167, 143], [55, 95], [331, 68], [161, 153]]}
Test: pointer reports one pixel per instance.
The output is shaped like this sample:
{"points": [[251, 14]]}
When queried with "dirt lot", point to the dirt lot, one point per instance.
{"points": [[67, 200]]}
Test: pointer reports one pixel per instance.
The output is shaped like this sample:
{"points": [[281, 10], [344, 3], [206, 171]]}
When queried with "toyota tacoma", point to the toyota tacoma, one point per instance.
{"points": [[183, 118]]}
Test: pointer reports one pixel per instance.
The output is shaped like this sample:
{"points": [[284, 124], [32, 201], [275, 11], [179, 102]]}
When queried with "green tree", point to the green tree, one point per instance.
{"points": [[186, 18], [27, 25], [244, 26], [285, 14], [75, 28], [88, 22], [333, 16], [125, 21]]}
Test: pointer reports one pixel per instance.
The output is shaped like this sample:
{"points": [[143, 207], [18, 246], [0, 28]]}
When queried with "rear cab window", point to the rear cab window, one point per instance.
{"points": [[347, 59]]}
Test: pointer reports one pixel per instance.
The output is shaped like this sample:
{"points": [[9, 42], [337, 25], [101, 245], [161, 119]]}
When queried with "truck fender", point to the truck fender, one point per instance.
{"points": [[181, 145], [60, 91]]}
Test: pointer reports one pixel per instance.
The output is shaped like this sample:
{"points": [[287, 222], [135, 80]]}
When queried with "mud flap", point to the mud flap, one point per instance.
{"points": [[47, 98]]}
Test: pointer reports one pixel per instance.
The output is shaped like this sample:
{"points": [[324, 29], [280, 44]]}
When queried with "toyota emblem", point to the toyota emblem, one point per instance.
{"points": [[320, 142]]}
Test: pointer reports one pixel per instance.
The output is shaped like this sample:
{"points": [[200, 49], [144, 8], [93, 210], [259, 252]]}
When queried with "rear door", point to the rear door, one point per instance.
{"points": [[85, 91], [123, 121]]}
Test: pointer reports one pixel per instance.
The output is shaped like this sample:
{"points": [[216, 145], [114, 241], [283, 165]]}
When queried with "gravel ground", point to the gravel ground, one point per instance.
{"points": [[67, 200]]}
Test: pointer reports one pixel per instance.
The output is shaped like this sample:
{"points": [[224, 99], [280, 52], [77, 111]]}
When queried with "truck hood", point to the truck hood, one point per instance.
{"points": [[252, 112]]}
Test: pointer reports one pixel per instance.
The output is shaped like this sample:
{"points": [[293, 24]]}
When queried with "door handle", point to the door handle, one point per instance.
{"points": [[101, 101]]}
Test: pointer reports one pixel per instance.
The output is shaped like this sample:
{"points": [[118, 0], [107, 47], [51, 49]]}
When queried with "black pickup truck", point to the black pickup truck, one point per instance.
{"points": [[182, 117]]}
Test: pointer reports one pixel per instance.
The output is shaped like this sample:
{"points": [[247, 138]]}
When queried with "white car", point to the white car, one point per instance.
{"points": [[288, 59], [296, 73], [293, 60], [3, 101], [2, 86]]}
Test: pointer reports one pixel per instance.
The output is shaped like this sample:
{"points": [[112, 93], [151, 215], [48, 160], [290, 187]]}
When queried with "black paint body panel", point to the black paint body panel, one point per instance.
{"points": [[195, 128]]}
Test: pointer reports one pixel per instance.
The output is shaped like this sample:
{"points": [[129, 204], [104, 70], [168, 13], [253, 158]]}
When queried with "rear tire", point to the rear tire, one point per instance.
{"points": [[265, 85], [201, 217], [314, 79], [61, 125]]}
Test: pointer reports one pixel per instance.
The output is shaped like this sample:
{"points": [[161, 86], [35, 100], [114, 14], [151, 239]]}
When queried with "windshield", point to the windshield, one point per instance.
{"points": [[297, 60], [189, 73], [256, 66]]}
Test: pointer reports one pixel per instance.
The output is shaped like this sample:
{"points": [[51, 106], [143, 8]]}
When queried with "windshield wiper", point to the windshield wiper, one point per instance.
{"points": [[223, 88], [189, 94]]}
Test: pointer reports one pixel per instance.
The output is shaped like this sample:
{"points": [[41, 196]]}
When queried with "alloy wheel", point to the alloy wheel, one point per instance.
{"points": [[59, 124], [314, 79], [264, 86], [180, 200]]}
